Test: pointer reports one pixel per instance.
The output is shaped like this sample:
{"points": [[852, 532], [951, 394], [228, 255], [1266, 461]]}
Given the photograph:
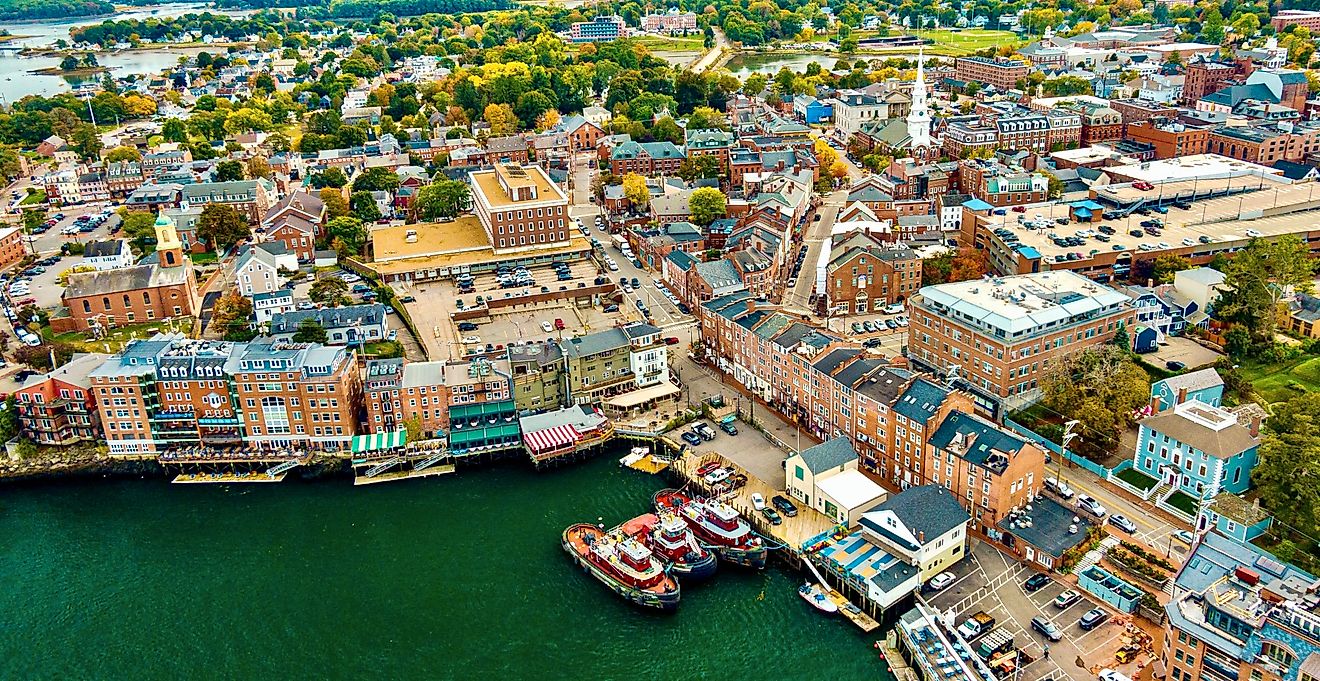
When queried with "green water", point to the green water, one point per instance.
{"points": [[459, 577]]}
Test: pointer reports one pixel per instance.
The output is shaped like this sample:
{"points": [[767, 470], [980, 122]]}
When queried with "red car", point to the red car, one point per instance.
{"points": [[559, 324], [27, 301], [672, 340], [1019, 209], [707, 467], [1143, 186]]}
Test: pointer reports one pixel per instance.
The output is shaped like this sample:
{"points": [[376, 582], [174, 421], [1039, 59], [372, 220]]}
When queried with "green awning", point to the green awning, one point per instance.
{"points": [[491, 435], [378, 441], [480, 409]]}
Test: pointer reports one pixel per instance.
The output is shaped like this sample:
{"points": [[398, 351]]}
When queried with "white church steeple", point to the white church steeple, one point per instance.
{"points": [[918, 120]]}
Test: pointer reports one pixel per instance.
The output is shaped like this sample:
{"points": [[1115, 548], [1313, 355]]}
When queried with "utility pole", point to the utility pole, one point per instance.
{"points": [[1068, 436]]}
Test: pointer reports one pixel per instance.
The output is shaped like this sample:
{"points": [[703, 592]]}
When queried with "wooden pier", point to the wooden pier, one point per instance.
{"points": [[226, 478]]}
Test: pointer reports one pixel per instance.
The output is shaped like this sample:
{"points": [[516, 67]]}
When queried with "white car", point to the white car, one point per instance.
{"points": [[1254, 234], [32, 340], [471, 340], [941, 581], [1188, 242], [758, 501], [613, 266], [1111, 675], [546, 327], [717, 476], [1059, 487], [1091, 506], [896, 308], [69, 230]]}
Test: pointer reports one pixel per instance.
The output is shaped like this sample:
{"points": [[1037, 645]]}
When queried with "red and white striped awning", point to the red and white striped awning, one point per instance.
{"points": [[550, 438]]}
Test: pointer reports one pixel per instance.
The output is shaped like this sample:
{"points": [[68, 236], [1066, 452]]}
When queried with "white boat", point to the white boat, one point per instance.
{"points": [[641, 451], [813, 594], [637, 454]]}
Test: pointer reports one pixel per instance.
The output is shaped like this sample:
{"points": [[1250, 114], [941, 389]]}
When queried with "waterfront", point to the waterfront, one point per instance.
{"points": [[743, 65], [453, 577]]}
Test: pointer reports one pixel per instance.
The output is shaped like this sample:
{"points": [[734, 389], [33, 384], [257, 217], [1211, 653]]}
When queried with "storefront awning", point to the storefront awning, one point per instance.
{"points": [[551, 438], [378, 441], [644, 395]]}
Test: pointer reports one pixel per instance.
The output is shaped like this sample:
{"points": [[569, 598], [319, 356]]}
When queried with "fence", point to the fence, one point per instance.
{"points": [[1081, 461]]}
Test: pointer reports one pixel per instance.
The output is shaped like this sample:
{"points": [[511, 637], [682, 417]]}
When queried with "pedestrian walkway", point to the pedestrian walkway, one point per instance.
{"points": [[1094, 555]]}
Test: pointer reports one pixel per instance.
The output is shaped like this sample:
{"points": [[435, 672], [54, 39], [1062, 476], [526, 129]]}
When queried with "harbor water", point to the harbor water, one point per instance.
{"points": [[457, 577]]}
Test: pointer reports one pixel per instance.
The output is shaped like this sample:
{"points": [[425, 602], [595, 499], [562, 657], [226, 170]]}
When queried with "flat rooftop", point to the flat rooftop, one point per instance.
{"points": [[1197, 167], [488, 184], [466, 245], [1025, 302], [1272, 211], [433, 239]]}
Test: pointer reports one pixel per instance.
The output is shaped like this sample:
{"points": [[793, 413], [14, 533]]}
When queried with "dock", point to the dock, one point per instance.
{"points": [[404, 475], [854, 614], [226, 478], [649, 464]]}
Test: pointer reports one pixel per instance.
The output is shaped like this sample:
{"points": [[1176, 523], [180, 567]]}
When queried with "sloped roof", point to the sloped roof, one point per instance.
{"points": [[828, 454]]}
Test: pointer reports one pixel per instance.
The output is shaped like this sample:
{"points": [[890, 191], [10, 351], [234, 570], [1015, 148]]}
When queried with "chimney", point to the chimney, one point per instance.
{"points": [[1182, 395], [921, 537], [1156, 404], [1255, 426], [1150, 283]]}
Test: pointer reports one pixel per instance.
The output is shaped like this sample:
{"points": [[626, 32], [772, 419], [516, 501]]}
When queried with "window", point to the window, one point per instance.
{"points": [[1278, 653]]}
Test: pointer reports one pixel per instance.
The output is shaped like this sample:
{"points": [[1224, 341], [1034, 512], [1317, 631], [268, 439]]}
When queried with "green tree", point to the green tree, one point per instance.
{"points": [[139, 227], [86, 141], [1288, 473], [33, 218], [174, 130], [699, 167], [1257, 280], [1212, 26], [221, 226], [363, 206], [9, 419], [123, 154], [232, 314], [636, 191], [376, 180], [705, 204], [310, 331], [1101, 387], [330, 177], [335, 205], [258, 166], [1165, 266], [228, 171], [443, 198], [349, 232], [329, 290]]}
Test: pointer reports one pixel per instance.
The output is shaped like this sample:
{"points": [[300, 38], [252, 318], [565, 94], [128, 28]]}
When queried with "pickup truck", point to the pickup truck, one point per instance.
{"points": [[704, 431], [976, 626]]}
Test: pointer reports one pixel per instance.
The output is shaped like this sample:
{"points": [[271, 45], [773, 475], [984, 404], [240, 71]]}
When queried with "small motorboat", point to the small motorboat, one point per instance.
{"points": [[637, 454], [813, 594]]}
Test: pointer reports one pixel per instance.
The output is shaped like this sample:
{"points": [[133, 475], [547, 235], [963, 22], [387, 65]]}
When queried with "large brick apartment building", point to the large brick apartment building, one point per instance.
{"points": [[999, 336], [171, 391], [1001, 73], [520, 208]]}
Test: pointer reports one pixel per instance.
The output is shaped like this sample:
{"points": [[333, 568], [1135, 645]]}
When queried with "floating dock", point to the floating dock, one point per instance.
{"points": [[226, 478]]}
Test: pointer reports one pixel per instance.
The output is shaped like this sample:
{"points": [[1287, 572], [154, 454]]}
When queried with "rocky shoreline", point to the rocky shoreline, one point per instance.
{"points": [[56, 464]]}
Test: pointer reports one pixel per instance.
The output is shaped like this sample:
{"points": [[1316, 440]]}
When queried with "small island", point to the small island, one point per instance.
{"points": [[73, 65]]}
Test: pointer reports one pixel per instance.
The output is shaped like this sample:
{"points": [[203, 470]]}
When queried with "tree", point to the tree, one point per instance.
{"points": [[119, 154], [705, 204], [9, 419], [1288, 473], [139, 227], [310, 331], [501, 118], [376, 180], [969, 263], [825, 154], [228, 171], [1165, 266], [443, 198], [1102, 387], [1055, 185], [699, 167], [839, 171], [1259, 277], [1121, 338], [349, 232], [335, 205], [86, 141], [258, 166], [222, 226], [232, 314], [33, 219], [1212, 26], [636, 191], [329, 290], [363, 206], [330, 177]]}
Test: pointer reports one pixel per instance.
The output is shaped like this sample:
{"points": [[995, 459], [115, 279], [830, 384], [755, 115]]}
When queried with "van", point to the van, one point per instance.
{"points": [[994, 643]]}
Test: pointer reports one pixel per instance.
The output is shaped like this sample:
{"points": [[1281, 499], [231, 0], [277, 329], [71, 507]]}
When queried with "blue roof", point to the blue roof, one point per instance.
{"points": [[1082, 212], [1088, 204], [921, 400], [1029, 252], [977, 204]]}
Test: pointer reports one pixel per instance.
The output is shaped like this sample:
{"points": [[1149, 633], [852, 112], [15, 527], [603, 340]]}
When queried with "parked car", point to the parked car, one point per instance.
{"points": [[610, 308], [1092, 619], [771, 515], [671, 340], [1066, 599], [895, 308], [546, 327], [691, 438], [1046, 627], [729, 428], [1123, 523], [716, 476], [976, 625], [1174, 365], [1091, 506], [1059, 487], [559, 324], [704, 431], [467, 326], [1184, 536], [941, 581], [1036, 582], [758, 501], [784, 505]]}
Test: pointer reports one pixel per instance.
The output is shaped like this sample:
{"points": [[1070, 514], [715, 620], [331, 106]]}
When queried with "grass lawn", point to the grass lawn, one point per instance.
{"points": [[203, 258], [1137, 479], [1280, 382], [119, 336], [38, 196], [1183, 502], [383, 349], [672, 43], [954, 43]]}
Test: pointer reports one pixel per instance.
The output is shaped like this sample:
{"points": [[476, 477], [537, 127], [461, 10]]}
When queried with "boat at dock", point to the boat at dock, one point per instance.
{"points": [[669, 538], [623, 564], [816, 596], [717, 526]]}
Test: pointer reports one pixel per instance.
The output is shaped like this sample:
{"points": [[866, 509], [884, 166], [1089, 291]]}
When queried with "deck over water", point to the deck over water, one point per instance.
{"points": [[226, 478], [438, 469]]}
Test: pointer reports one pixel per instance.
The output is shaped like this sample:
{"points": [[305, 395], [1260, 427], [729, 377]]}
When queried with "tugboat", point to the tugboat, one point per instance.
{"points": [[669, 538], [623, 564], [717, 526]]}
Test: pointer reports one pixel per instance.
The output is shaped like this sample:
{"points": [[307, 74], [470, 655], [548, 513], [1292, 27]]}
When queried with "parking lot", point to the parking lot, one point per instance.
{"points": [[992, 582], [1185, 350], [749, 449]]}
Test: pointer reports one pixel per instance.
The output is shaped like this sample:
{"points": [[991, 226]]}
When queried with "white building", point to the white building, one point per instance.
{"points": [[258, 269], [266, 305], [825, 477], [108, 255], [650, 365]]}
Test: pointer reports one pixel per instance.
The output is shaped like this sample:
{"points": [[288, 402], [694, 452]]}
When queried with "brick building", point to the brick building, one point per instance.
{"points": [[396, 392], [1001, 73], [58, 408], [1000, 336], [163, 289], [1170, 138], [646, 158], [171, 391], [1000, 185], [1265, 144], [296, 221], [520, 208], [1204, 76], [989, 469], [252, 198], [865, 274], [12, 247]]}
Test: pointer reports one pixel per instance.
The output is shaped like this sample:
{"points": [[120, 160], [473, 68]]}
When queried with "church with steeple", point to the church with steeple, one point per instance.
{"points": [[911, 136], [160, 286]]}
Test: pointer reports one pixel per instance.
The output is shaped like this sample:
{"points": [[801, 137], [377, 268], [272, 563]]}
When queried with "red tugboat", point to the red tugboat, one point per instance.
{"points": [[623, 564], [670, 539], [717, 526]]}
